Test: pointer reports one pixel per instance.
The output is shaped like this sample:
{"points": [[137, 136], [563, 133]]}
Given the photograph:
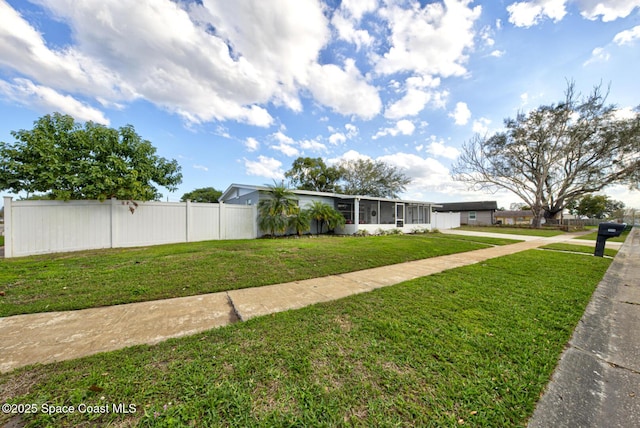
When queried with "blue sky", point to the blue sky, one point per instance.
{"points": [[237, 90]]}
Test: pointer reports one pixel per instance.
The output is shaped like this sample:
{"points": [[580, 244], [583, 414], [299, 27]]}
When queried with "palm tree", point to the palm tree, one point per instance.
{"points": [[300, 222], [323, 213], [318, 212], [275, 211], [334, 219]]}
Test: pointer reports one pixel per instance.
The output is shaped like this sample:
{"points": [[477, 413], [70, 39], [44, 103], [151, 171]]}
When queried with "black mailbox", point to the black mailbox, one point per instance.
{"points": [[606, 231]]}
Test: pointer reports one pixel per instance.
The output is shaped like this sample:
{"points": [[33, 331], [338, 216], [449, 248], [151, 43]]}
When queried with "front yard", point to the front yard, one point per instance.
{"points": [[473, 346], [513, 230], [107, 277]]}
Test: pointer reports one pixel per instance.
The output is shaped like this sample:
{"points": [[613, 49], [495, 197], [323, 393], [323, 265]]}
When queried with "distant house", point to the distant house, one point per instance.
{"points": [[472, 213], [360, 212], [518, 217]]}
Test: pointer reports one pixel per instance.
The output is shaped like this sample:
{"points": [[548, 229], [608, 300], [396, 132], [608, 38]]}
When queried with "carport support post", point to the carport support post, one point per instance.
{"points": [[8, 242]]}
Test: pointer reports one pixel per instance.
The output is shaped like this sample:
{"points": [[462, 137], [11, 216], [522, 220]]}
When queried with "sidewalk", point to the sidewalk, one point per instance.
{"points": [[55, 336], [597, 381]]}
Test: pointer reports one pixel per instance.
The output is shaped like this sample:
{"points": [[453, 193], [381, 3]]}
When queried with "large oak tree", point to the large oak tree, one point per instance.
{"points": [[66, 160], [556, 153]]}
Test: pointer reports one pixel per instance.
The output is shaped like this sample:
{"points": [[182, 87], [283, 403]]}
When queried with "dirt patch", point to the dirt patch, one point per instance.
{"points": [[18, 385]]}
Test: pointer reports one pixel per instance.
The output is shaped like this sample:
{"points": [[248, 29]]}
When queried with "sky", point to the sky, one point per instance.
{"points": [[235, 91]]}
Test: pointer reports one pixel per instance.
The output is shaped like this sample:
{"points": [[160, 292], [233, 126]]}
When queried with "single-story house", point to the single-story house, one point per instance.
{"points": [[360, 212], [517, 217], [480, 213]]}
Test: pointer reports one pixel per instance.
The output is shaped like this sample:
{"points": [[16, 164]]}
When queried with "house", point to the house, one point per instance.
{"points": [[360, 212], [517, 217], [480, 213]]}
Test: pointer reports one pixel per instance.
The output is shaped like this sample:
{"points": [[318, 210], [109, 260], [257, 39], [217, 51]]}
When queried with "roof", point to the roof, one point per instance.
{"points": [[468, 206], [227, 194], [517, 213]]}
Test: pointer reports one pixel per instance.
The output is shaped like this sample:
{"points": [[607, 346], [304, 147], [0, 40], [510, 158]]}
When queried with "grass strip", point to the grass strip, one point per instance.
{"points": [[513, 230], [58, 282], [578, 249], [594, 236], [474, 345]]}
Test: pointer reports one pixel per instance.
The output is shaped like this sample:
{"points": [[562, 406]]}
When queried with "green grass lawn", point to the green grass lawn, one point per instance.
{"points": [[107, 277], [594, 236], [578, 249], [472, 346], [513, 230]]}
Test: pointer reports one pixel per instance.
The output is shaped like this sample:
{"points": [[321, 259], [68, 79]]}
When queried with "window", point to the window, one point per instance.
{"points": [[472, 216]]}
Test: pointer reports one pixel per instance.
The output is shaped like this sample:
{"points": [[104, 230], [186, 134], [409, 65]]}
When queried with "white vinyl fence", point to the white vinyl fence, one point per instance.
{"points": [[40, 227], [443, 221]]}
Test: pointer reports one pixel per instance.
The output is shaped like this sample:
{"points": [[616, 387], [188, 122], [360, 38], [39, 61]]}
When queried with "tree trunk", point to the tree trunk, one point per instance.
{"points": [[537, 217]]}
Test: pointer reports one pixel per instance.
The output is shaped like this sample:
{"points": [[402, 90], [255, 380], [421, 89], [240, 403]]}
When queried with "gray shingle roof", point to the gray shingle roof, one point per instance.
{"points": [[468, 206]]}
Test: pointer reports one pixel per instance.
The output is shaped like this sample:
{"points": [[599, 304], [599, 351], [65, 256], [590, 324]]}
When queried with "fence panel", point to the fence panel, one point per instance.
{"points": [[41, 227], [443, 221], [204, 222], [239, 222]]}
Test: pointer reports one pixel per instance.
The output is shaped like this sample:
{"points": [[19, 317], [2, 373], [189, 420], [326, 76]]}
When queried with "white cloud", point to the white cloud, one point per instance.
{"points": [[461, 114], [348, 32], [598, 55], [352, 130], [25, 92], [313, 145], [439, 149], [419, 92], [264, 167], [348, 156], [427, 174], [341, 137], [430, 40], [609, 10], [481, 126], [251, 144], [627, 37], [631, 198], [344, 90], [529, 13], [286, 145], [411, 104], [624, 113], [497, 53], [282, 138], [200, 167], [404, 127], [357, 8], [208, 61], [337, 138], [286, 149]]}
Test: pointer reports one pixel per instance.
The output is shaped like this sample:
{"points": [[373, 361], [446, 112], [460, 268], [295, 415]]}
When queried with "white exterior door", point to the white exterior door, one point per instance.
{"points": [[399, 215]]}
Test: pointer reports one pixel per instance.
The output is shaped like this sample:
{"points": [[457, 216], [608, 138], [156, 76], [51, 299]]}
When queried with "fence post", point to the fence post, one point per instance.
{"points": [[187, 221], [222, 221], [8, 229], [112, 220]]}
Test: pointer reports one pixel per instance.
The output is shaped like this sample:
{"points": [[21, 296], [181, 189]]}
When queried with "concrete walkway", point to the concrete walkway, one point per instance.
{"points": [[54, 336], [597, 382]]}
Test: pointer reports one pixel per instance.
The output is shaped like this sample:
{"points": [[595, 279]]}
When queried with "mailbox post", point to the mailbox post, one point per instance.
{"points": [[606, 231]]}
